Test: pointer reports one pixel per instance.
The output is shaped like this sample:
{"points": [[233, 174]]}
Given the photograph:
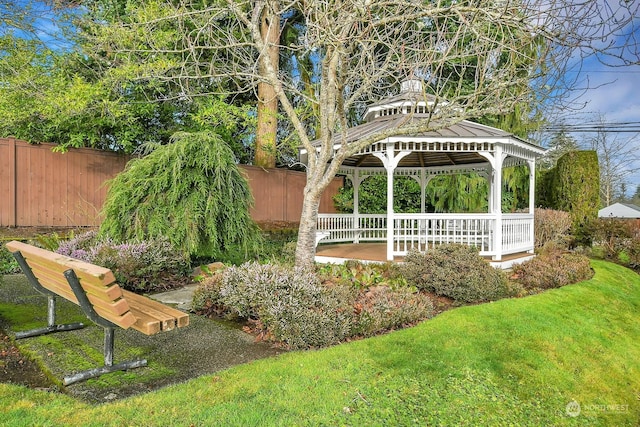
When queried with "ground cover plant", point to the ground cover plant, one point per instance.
{"points": [[302, 308], [513, 362]]}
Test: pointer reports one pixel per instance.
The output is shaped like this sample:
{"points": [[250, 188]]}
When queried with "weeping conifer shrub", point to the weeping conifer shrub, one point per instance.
{"points": [[190, 191]]}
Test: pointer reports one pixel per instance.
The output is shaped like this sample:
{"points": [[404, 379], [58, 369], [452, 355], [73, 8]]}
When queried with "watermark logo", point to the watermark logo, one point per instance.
{"points": [[573, 409]]}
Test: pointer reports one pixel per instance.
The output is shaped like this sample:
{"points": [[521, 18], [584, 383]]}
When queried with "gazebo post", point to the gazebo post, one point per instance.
{"points": [[532, 197], [497, 201], [390, 162], [490, 182], [356, 200], [496, 160], [499, 157], [390, 167]]}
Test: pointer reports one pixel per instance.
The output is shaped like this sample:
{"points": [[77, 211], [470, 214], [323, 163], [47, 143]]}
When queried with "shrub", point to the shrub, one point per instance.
{"points": [[190, 191], [633, 252], [206, 297], [294, 306], [455, 271], [613, 235], [144, 266], [291, 304], [552, 270], [551, 227], [8, 264], [381, 308], [79, 246]]}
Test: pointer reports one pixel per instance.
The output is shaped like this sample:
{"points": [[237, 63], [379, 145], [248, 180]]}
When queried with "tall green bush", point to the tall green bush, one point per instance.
{"points": [[190, 191], [577, 190], [573, 186]]}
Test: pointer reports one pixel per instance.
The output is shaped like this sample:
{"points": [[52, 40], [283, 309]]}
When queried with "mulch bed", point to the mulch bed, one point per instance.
{"points": [[15, 368]]}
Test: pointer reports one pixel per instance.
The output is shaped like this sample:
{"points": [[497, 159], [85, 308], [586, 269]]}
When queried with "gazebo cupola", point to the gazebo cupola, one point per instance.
{"points": [[411, 100], [464, 147]]}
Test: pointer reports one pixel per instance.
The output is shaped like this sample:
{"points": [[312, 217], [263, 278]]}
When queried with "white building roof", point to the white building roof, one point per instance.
{"points": [[620, 210]]}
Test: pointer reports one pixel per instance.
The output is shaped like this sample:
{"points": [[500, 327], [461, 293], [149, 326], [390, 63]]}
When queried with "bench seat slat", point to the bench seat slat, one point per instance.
{"points": [[125, 321], [165, 321], [144, 323], [58, 281], [169, 317], [118, 307], [61, 263]]}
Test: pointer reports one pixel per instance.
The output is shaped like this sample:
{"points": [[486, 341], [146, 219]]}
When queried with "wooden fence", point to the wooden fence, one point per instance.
{"points": [[39, 187], [278, 194]]}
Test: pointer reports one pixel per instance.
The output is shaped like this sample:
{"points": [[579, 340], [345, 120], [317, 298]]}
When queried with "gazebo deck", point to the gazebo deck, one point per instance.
{"points": [[377, 252]]}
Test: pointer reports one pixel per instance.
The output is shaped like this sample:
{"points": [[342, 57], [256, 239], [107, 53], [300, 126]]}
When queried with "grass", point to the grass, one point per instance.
{"points": [[511, 362]]}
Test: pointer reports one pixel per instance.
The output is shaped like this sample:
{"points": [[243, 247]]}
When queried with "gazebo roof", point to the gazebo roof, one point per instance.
{"points": [[458, 144]]}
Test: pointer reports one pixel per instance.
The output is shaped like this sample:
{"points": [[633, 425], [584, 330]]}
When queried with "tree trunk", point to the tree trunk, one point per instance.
{"points": [[306, 248], [265, 155]]}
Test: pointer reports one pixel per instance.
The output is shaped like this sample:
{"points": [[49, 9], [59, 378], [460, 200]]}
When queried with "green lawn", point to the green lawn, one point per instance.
{"points": [[512, 362]]}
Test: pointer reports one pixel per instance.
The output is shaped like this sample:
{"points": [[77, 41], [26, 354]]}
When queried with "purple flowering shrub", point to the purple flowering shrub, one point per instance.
{"points": [[302, 309], [79, 246], [139, 266], [291, 305]]}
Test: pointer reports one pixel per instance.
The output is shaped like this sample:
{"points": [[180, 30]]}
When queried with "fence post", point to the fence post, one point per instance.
{"points": [[13, 183]]}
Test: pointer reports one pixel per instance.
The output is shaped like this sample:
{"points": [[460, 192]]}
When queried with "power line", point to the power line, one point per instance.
{"points": [[604, 72], [616, 127]]}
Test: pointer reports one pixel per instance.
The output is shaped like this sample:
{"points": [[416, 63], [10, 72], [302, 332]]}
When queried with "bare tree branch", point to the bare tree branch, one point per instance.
{"points": [[475, 57]]}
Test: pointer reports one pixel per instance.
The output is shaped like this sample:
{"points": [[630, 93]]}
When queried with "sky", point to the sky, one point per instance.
{"points": [[613, 94]]}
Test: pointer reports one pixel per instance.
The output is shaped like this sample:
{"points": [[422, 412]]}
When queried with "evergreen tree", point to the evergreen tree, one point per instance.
{"points": [[190, 191]]}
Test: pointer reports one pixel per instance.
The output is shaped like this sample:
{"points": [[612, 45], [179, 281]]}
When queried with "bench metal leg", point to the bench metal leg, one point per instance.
{"points": [[109, 332], [96, 372], [51, 305], [108, 362], [51, 323]]}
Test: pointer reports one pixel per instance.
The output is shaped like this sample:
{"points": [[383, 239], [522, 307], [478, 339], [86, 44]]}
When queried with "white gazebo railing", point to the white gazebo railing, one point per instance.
{"points": [[517, 233], [352, 228], [424, 231]]}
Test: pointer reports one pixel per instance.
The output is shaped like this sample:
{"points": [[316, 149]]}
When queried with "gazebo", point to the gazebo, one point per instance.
{"points": [[461, 148]]}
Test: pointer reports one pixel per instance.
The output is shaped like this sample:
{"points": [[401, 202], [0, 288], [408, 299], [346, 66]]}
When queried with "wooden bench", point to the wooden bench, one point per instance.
{"points": [[95, 290]]}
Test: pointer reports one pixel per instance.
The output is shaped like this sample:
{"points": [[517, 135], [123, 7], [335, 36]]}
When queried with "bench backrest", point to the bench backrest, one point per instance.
{"points": [[98, 282]]}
